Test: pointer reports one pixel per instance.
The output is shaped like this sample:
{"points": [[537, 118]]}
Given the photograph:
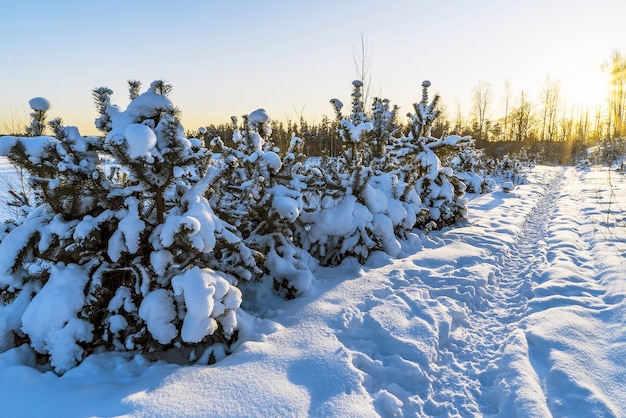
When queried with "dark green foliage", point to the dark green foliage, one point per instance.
{"points": [[127, 214]]}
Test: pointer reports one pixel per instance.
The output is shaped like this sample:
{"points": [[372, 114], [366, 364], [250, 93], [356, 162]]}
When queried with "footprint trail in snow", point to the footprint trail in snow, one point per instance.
{"points": [[485, 319]]}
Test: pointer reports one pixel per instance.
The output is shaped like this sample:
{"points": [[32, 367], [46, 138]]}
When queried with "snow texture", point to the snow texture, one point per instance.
{"points": [[51, 320], [140, 140], [126, 237], [146, 106], [286, 203], [157, 309], [209, 299], [11, 245], [355, 131], [35, 147], [518, 313]]}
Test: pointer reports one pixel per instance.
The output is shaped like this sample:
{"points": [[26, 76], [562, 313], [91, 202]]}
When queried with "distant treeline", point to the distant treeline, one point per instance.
{"points": [[322, 139]]}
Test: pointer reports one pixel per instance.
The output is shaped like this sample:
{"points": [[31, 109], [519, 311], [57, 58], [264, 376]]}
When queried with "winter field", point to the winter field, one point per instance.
{"points": [[521, 312]]}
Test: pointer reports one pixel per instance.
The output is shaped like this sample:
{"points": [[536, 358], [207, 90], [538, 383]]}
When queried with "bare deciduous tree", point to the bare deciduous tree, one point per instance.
{"points": [[507, 94], [617, 99], [458, 123], [481, 99], [11, 123], [521, 119], [363, 68], [550, 98]]}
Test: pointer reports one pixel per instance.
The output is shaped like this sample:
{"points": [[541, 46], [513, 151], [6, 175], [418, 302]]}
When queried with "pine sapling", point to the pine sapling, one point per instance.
{"points": [[39, 114]]}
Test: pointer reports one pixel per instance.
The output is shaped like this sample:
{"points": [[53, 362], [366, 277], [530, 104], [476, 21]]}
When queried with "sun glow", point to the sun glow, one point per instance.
{"points": [[586, 89]]}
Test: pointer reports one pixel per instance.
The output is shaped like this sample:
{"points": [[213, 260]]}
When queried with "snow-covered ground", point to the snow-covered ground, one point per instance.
{"points": [[519, 313]]}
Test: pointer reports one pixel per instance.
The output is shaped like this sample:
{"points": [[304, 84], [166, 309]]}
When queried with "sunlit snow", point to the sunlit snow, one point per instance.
{"points": [[518, 313]]}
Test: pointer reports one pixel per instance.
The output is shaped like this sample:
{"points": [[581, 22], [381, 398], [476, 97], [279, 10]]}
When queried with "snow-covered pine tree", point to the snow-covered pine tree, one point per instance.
{"points": [[425, 113], [238, 193], [289, 266], [469, 164], [134, 89], [39, 107], [123, 258], [102, 98], [384, 128], [164, 192], [509, 171], [357, 152], [357, 212], [262, 194], [339, 199], [441, 192], [42, 268]]}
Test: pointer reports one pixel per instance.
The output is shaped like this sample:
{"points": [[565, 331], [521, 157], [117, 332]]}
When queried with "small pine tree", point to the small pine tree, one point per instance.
{"points": [[102, 98], [357, 153], [133, 247], [262, 194], [441, 192], [40, 107], [384, 128], [134, 89], [425, 113]]}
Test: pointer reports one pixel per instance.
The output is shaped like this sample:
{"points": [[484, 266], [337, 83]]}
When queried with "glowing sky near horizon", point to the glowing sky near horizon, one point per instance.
{"points": [[291, 57]]}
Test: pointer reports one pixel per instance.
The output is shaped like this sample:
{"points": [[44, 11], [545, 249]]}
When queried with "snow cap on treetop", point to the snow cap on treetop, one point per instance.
{"points": [[357, 83], [259, 116], [39, 104], [146, 106], [425, 83], [337, 103]]}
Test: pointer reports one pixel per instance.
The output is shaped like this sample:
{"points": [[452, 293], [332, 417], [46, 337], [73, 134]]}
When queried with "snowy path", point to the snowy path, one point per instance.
{"points": [[478, 288], [520, 313], [498, 320], [504, 302], [511, 289]]}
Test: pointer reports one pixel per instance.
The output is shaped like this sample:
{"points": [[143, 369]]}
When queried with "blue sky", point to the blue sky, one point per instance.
{"points": [[291, 57]]}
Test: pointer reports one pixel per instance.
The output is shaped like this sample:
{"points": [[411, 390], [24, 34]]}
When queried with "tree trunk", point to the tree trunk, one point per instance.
{"points": [[160, 205]]}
